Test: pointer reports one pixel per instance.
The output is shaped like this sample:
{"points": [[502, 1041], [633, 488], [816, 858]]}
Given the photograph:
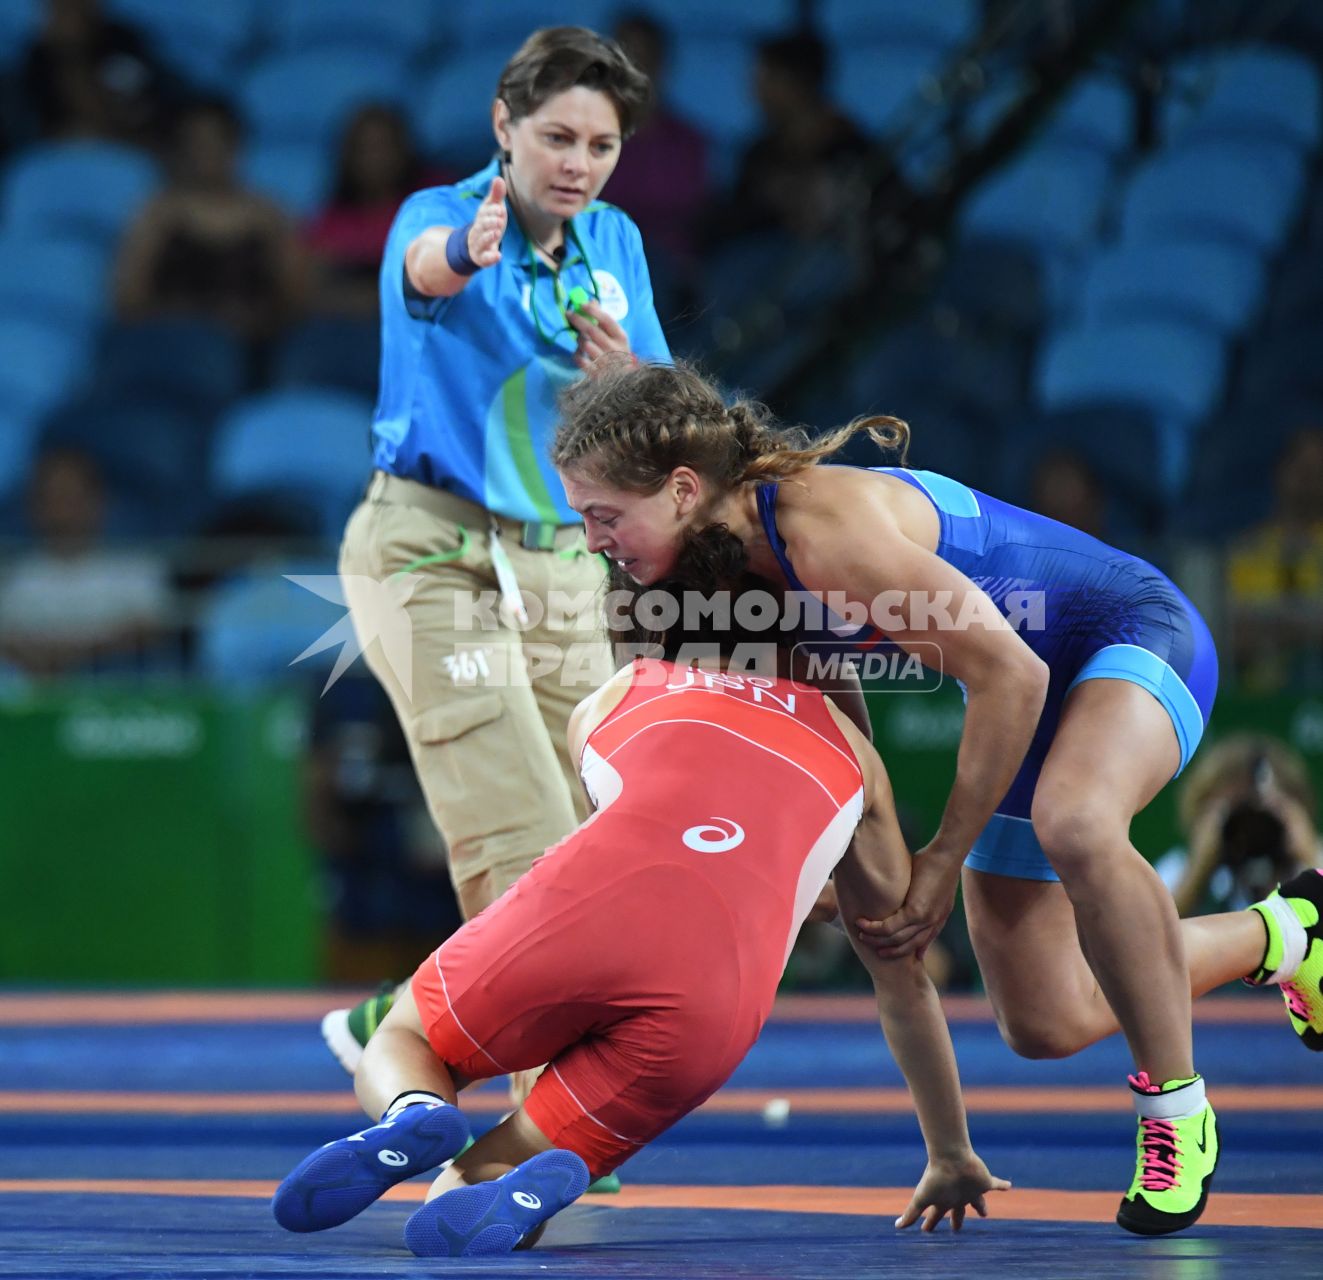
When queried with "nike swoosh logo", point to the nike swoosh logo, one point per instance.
{"points": [[1202, 1144]]}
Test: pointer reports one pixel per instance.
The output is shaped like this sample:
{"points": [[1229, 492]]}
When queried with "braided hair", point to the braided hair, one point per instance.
{"points": [[629, 426]]}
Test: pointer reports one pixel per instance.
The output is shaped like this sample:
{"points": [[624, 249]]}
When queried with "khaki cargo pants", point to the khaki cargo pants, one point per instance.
{"points": [[484, 700]]}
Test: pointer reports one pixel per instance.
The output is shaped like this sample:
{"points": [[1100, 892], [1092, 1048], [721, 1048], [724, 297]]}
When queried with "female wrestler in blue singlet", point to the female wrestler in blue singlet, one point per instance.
{"points": [[1088, 679]]}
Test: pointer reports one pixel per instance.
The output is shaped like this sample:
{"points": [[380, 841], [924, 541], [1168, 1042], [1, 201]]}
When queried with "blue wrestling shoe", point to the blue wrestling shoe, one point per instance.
{"points": [[342, 1178], [493, 1217]]}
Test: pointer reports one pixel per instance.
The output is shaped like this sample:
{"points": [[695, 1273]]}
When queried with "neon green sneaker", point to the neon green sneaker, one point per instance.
{"points": [[347, 1031], [1176, 1156], [1293, 916]]}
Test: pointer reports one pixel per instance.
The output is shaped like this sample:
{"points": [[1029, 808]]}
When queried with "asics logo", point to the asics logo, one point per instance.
{"points": [[717, 835], [396, 1159], [526, 1199]]}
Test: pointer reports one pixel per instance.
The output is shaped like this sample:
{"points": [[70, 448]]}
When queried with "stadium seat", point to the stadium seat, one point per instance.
{"points": [[76, 189], [941, 24], [994, 284], [1130, 451], [711, 84], [56, 281], [43, 365], [402, 29], [454, 116], [305, 98], [1050, 200], [1175, 371], [310, 441], [721, 17], [1243, 193], [878, 84], [190, 362], [507, 25], [154, 455], [254, 626], [18, 438], [203, 42], [19, 20], [1246, 93], [1212, 285], [331, 351], [297, 176], [1097, 113]]}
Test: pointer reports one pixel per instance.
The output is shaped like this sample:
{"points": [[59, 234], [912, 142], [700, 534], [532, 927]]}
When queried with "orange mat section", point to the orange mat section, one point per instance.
{"points": [[891, 1101], [1024, 1204], [39, 1010]]}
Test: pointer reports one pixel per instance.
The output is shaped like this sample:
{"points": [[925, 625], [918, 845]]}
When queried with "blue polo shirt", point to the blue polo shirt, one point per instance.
{"points": [[468, 390]]}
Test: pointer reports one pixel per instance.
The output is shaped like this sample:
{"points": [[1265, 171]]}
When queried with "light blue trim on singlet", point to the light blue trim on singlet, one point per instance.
{"points": [[947, 495], [1148, 671], [1007, 846]]}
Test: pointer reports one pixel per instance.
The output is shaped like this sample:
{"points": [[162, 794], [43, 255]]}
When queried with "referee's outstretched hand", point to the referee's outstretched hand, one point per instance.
{"points": [[489, 226]]}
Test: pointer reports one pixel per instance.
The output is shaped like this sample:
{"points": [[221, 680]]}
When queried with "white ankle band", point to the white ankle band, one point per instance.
{"points": [[408, 1099], [1188, 1100], [1295, 942]]}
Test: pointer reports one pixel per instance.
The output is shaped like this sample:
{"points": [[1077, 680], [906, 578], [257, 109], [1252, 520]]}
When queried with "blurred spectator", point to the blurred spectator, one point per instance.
{"points": [[72, 604], [206, 246], [89, 75], [661, 178], [1247, 808], [1275, 577], [1065, 488], [384, 864], [791, 177], [378, 167]]}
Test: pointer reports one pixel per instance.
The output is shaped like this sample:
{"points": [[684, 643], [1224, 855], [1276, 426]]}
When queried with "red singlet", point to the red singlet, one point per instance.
{"points": [[639, 957]]}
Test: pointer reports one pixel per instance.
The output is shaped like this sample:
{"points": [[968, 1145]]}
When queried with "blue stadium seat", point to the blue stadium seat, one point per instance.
{"points": [[1050, 200], [311, 441], [57, 281], [305, 98], [85, 189], [711, 84], [254, 626], [1098, 113], [1212, 285], [189, 362], [876, 84], [204, 42], [19, 20], [720, 17], [1175, 371], [1240, 192], [1130, 451], [507, 25], [941, 24], [296, 175], [402, 29], [18, 438], [331, 351], [43, 365], [995, 285], [454, 115], [1251, 93], [154, 455]]}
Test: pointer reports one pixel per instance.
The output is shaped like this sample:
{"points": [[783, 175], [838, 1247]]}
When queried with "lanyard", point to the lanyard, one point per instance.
{"points": [[560, 294]]}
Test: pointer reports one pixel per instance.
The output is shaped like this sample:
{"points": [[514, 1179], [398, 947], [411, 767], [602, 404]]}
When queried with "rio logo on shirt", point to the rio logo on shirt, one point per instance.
{"points": [[717, 835]]}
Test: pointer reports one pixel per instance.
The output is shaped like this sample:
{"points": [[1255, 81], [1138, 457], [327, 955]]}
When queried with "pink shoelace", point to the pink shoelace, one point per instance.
{"points": [[1158, 1151], [1295, 1001]]}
